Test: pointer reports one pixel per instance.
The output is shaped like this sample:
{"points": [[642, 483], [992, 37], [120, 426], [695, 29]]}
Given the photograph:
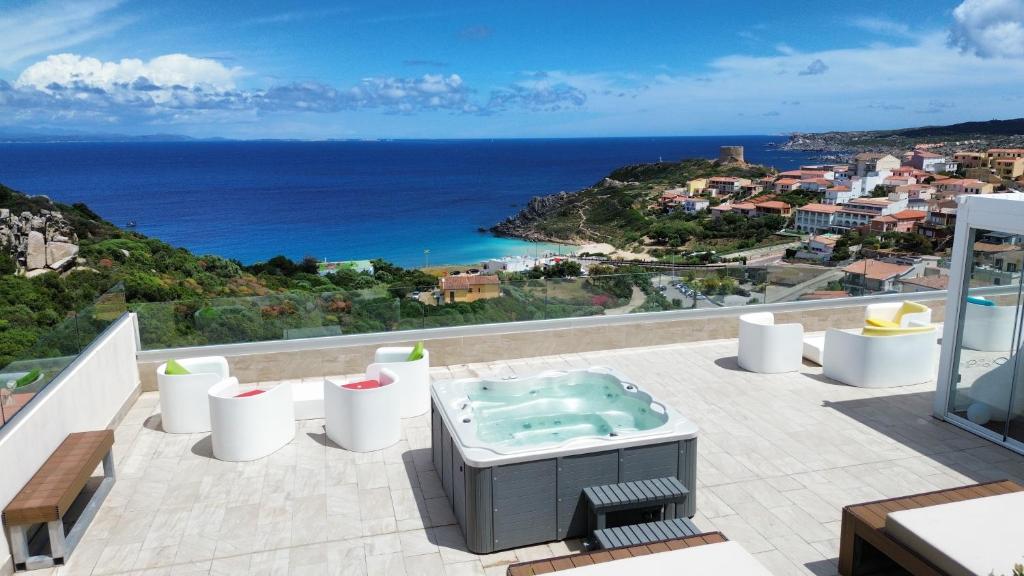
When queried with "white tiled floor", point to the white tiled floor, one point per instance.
{"points": [[779, 456]]}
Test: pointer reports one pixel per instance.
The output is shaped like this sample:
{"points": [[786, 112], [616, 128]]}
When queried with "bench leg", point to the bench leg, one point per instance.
{"points": [[58, 549], [19, 543], [108, 465]]}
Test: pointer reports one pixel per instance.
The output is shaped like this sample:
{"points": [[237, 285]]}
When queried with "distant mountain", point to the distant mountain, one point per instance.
{"points": [[39, 137], [990, 128], [965, 135]]}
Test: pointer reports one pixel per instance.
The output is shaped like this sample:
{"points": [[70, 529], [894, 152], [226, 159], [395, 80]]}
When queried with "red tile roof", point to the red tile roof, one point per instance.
{"points": [[876, 269], [910, 215], [822, 208], [464, 282]]}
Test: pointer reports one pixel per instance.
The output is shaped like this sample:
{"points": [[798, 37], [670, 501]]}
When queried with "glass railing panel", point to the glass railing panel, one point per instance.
{"points": [[31, 370]]}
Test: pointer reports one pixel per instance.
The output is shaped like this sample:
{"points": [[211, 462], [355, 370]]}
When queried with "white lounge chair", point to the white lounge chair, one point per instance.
{"points": [[184, 408], [768, 348], [868, 360], [987, 327], [413, 377], [364, 418], [250, 427], [902, 314]]}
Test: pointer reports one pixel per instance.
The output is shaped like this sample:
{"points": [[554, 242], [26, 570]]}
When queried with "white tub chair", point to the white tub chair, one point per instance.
{"points": [[413, 378], [251, 427], [869, 361], [364, 420], [769, 348], [901, 314], [184, 408], [988, 328]]}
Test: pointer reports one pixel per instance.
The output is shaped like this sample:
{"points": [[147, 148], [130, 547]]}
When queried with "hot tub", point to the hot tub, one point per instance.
{"points": [[514, 455]]}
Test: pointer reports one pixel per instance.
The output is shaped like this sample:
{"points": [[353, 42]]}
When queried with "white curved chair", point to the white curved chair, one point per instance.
{"points": [[880, 361], [251, 427], [413, 378], [915, 314], [184, 408], [769, 348], [364, 420], [988, 328]]}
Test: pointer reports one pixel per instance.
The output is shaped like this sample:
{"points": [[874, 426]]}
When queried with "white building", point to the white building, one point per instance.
{"points": [[815, 217], [509, 264], [692, 205], [839, 195]]}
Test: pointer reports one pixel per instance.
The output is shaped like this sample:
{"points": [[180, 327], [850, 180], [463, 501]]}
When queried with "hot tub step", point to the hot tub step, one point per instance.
{"points": [[637, 534]]}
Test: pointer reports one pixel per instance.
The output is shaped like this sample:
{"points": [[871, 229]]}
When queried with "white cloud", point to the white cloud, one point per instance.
{"points": [[49, 26], [165, 72], [989, 28], [882, 26], [180, 88]]}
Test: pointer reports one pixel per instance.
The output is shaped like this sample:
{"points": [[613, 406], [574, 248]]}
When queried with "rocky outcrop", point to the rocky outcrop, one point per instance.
{"points": [[539, 208], [38, 242]]}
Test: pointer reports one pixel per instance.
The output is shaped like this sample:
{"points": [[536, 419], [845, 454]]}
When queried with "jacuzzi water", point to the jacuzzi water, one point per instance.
{"points": [[503, 420], [556, 408]]}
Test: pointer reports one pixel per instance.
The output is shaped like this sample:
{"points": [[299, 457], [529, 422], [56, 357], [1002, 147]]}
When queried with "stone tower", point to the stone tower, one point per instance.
{"points": [[730, 155]]}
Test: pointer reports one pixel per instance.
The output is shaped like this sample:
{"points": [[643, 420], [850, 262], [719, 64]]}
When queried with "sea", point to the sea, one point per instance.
{"points": [[413, 202]]}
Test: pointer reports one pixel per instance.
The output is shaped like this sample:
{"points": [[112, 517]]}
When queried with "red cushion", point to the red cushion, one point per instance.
{"points": [[364, 385], [248, 393]]}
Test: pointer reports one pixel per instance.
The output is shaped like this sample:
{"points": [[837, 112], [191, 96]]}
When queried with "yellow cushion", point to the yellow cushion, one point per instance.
{"points": [[881, 323], [897, 331], [909, 308]]}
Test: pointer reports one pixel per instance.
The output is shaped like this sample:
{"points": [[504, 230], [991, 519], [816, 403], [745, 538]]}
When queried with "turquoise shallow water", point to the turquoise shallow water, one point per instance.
{"points": [[556, 409]]}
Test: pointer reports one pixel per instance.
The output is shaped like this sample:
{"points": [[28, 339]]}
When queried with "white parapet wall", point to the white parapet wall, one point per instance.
{"points": [[90, 394]]}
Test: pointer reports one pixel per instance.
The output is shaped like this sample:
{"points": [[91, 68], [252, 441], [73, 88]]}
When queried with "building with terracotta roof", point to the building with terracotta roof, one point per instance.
{"points": [[869, 162], [748, 209], [876, 276], [1009, 168], [774, 208], [924, 283], [467, 288], [727, 184], [787, 184], [1000, 153], [815, 217], [902, 221], [971, 159]]}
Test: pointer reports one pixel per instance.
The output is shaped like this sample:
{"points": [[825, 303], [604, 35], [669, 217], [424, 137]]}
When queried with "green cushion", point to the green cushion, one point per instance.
{"points": [[416, 354], [175, 369], [27, 379]]}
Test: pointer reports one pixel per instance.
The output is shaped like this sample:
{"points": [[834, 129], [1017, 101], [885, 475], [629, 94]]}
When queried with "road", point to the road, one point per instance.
{"points": [[784, 294], [636, 300]]}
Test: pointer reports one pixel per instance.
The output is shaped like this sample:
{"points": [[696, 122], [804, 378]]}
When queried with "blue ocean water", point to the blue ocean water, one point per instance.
{"points": [[338, 200]]}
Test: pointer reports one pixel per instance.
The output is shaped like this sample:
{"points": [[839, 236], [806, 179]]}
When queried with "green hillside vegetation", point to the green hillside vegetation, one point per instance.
{"points": [[625, 214], [185, 299]]}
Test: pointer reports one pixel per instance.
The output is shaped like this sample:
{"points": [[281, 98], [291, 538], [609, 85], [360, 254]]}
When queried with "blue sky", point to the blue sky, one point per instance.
{"points": [[484, 69]]}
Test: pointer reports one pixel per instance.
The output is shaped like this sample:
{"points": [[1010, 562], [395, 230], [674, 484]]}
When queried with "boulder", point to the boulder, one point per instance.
{"points": [[5, 213], [58, 252], [35, 251], [39, 272]]}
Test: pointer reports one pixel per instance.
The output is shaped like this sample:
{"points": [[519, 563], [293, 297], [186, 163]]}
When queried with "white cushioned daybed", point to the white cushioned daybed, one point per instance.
{"points": [[977, 536]]}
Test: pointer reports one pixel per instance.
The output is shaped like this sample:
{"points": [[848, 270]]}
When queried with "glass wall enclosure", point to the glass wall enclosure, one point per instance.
{"points": [[23, 376], [982, 361], [508, 298]]}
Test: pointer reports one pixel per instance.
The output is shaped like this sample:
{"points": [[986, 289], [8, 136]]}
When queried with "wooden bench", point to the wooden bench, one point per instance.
{"points": [[635, 534], [664, 492], [50, 493], [548, 565], [866, 548]]}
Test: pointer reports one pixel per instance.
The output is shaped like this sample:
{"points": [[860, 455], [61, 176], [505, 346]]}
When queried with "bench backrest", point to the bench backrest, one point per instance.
{"points": [[53, 488]]}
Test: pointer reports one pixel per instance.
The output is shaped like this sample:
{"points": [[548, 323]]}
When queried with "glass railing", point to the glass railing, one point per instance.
{"points": [[54, 350], [293, 315]]}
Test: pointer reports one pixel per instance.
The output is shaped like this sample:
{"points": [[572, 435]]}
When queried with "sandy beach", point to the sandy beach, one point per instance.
{"points": [[612, 252]]}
